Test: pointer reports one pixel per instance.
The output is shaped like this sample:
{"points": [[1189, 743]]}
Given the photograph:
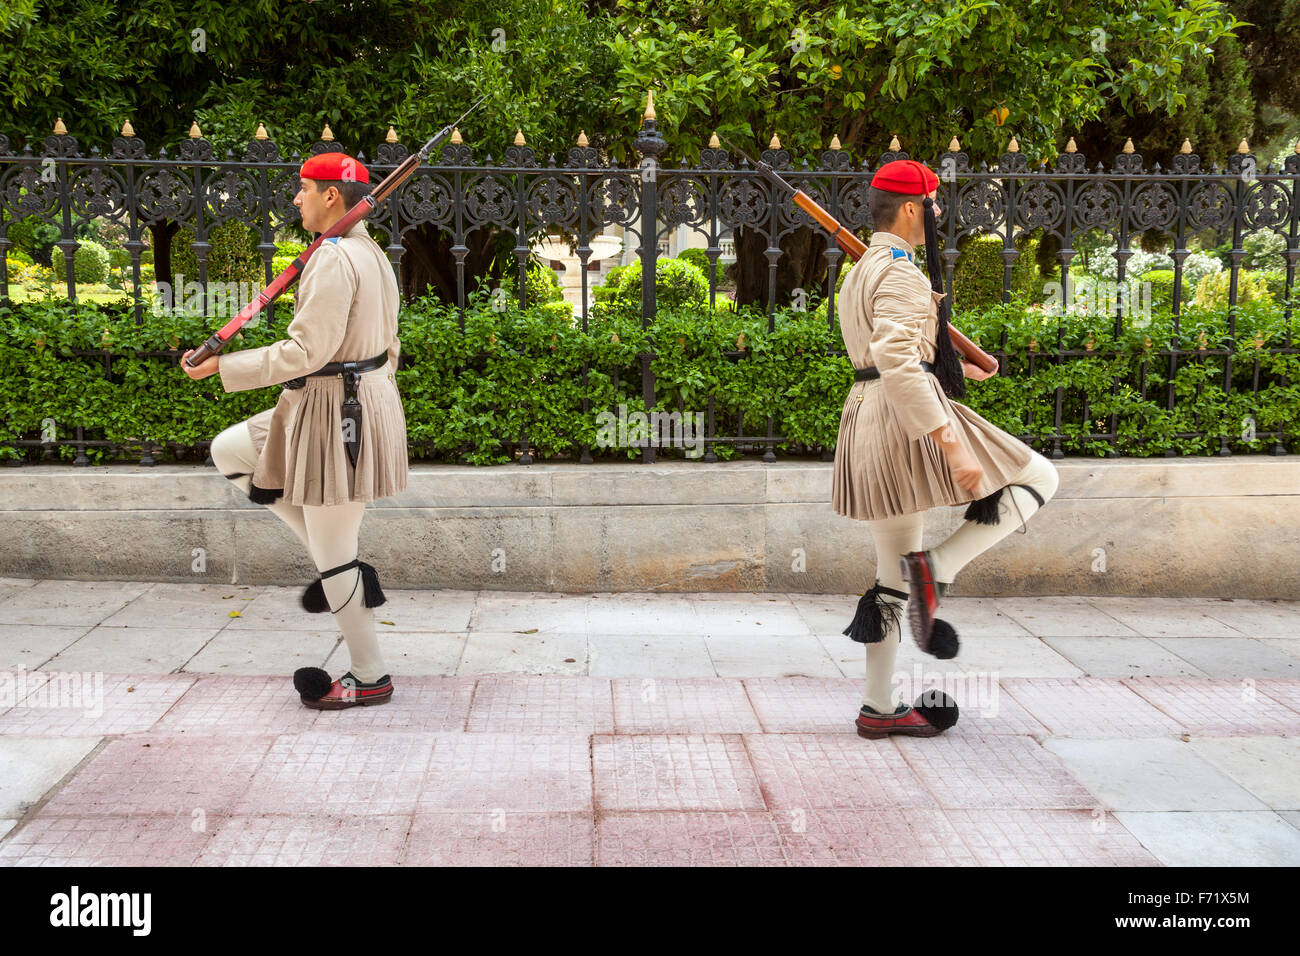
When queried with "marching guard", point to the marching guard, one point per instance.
{"points": [[336, 437], [905, 447]]}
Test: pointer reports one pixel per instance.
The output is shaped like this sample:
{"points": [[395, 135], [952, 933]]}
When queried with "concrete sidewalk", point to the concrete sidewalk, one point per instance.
{"points": [[157, 724]]}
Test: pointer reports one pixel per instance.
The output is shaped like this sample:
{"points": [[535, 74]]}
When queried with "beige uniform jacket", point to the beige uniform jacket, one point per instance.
{"points": [[345, 310], [886, 464]]}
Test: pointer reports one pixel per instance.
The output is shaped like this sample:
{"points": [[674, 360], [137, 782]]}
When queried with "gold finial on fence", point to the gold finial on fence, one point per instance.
{"points": [[835, 142], [894, 144], [1128, 145], [714, 142], [391, 136], [261, 133], [582, 138], [1243, 147], [327, 135], [650, 104], [1297, 146], [59, 128], [1013, 146], [455, 136], [519, 138], [1186, 147], [954, 146], [775, 144], [1071, 146], [195, 132], [126, 129]]}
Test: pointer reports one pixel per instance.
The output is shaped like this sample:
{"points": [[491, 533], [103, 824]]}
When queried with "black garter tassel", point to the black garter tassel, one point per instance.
{"points": [[372, 595], [984, 510], [868, 624]]}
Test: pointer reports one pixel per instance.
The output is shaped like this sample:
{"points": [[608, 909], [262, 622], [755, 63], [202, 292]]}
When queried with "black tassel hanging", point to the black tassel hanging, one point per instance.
{"points": [[868, 624], [985, 510], [374, 594], [947, 366]]}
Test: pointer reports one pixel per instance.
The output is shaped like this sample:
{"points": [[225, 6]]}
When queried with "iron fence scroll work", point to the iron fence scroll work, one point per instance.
{"points": [[454, 195]]}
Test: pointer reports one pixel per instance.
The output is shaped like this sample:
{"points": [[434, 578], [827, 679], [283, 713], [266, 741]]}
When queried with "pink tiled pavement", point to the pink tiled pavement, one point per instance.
{"points": [[542, 705], [705, 705], [1218, 708], [157, 774], [325, 772], [914, 836], [1006, 772], [128, 705], [1283, 691], [268, 706], [804, 705], [1048, 838], [1001, 715], [673, 772], [272, 840], [508, 772], [833, 771], [162, 839], [500, 839], [695, 838], [1090, 707]]}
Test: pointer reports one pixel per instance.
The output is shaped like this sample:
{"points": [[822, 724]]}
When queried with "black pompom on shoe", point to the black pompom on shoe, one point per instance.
{"points": [[937, 708], [943, 640], [312, 683], [313, 599]]}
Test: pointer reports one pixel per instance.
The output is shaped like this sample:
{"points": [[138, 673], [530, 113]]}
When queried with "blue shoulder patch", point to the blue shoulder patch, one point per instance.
{"points": [[898, 253], [333, 239]]}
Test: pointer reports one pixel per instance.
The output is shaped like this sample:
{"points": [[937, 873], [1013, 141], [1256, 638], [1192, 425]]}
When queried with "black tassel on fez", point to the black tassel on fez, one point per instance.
{"points": [[868, 624]]}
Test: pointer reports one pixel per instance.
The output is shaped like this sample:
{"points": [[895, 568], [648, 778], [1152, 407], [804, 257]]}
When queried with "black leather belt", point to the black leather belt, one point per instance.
{"points": [[339, 368], [867, 374]]}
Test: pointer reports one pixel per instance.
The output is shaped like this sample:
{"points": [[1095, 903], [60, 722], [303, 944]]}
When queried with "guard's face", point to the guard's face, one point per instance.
{"points": [[314, 206]]}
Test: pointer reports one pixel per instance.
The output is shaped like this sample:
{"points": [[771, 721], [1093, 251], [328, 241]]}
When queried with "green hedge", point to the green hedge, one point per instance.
{"points": [[514, 374]]}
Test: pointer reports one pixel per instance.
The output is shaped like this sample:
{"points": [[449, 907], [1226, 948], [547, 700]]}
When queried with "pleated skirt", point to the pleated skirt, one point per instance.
{"points": [[301, 451], [881, 473]]}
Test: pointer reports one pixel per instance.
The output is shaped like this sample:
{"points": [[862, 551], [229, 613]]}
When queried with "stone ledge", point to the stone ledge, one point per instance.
{"points": [[1170, 527]]}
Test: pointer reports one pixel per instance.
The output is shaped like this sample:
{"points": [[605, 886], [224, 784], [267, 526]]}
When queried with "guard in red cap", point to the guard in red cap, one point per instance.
{"points": [[336, 437], [905, 447]]}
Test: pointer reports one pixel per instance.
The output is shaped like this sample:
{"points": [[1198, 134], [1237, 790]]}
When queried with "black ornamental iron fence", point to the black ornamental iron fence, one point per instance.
{"points": [[456, 195]]}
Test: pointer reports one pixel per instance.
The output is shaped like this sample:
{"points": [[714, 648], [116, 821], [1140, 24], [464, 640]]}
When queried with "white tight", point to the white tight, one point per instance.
{"points": [[896, 536], [330, 535]]}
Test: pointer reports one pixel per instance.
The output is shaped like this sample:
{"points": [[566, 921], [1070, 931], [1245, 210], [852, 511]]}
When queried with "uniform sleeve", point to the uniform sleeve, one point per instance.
{"points": [[898, 322], [320, 319]]}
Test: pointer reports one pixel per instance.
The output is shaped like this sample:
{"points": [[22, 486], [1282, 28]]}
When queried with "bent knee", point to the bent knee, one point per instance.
{"points": [[229, 449], [1045, 479]]}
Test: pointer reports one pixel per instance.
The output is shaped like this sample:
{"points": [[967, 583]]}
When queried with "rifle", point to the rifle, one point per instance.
{"points": [[358, 212], [855, 248]]}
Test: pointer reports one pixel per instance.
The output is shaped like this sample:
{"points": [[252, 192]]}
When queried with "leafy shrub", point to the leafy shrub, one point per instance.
{"points": [[89, 263]]}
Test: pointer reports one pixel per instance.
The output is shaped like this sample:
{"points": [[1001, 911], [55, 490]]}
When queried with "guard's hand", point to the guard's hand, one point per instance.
{"points": [[966, 471], [971, 370], [205, 368]]}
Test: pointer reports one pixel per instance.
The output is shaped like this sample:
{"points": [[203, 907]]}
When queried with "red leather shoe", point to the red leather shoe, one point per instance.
{"points": [[347, 691], [932, 713], [905, 720], [923, 600]]}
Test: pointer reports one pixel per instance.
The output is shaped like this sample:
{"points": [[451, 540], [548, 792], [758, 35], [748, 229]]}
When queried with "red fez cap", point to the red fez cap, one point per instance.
{"points": [[905, 176], [330, 166]]}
